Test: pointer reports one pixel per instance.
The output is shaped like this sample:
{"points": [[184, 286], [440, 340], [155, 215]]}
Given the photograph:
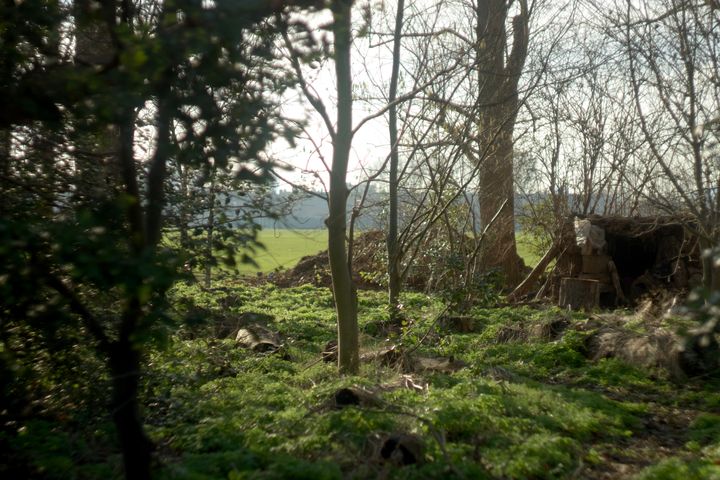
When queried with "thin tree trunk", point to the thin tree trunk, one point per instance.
{"points": [[136, 446], [184, 210], [393, 249], [344, 293], [210, 233], [5, 149]]}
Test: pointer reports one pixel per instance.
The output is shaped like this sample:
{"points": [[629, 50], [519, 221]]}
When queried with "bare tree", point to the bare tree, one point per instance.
{"points": [[672, 55]]}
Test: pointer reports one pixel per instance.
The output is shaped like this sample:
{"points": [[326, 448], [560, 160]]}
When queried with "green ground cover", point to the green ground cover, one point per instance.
{"points": [[514, 405]]}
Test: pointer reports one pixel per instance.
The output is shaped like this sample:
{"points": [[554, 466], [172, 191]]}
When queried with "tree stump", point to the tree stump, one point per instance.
{"points": [[579, 293]]}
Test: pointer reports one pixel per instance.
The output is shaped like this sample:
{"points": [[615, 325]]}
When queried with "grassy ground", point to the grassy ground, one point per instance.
{"points": [[506, 404], [283, 248], [527, 249]]}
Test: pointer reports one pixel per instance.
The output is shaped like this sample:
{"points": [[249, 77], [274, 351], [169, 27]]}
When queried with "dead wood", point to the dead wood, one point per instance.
{"points": [[511, 333], [620, 296], [355, 396], [534, 275], [229, 326], [402, 449], [657, 349], [258, 339], [434, 364], [551, 330], [329, 353], [408, 362]]}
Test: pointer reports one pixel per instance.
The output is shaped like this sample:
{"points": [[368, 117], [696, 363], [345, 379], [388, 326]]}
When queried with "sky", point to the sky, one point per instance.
{"points": [[370, 144]]}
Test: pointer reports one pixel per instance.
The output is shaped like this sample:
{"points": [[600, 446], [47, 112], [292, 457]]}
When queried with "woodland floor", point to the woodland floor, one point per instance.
{"points": [[511, 392]]}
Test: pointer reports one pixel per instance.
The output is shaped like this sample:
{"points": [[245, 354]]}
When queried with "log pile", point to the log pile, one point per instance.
{"points": [[625, 258]]}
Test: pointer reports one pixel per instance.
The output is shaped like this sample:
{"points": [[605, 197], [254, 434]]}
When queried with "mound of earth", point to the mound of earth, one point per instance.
{"points": [[369, 265]]}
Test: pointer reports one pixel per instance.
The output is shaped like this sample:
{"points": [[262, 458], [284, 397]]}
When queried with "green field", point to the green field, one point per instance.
{"points": [[283, 248], [526, 249]]}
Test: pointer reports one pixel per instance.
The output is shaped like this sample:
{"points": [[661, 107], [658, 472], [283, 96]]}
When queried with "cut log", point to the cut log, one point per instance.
{"points": [[579, 293], [258, 339]]}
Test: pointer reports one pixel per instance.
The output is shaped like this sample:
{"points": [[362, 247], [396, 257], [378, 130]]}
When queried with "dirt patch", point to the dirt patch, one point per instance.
{"points": [[663, 435]]}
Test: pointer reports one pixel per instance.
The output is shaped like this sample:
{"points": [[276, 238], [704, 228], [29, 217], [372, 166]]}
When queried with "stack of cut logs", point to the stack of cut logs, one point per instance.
{"points": [[598, 275]]}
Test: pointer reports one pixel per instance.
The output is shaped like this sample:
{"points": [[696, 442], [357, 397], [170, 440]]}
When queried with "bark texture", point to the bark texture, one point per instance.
{"points": [[343, 288], [393, 246], [498, 76]]}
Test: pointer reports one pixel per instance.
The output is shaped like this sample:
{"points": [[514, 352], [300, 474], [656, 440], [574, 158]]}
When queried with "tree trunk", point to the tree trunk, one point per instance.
{"points": [[5, 151], [97, 174], [184, 208], [496, 188], [394, 255], [136, 446], [210, 233], [343, 290], [498, 76]]}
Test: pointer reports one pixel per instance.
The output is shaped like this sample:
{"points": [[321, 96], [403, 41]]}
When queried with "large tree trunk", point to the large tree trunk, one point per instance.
{"points": [[343, 289], [498, 195], [498, 76]]}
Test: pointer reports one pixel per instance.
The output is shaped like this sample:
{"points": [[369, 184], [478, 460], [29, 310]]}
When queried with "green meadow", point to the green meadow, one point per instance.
{"points": [[283, 248]]}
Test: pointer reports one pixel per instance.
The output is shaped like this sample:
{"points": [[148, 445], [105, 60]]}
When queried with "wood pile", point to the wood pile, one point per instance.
{"points": [[623, 257]]}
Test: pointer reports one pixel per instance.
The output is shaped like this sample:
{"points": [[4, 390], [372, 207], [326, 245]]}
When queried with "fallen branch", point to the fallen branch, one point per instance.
{"points": [[525, 285]]}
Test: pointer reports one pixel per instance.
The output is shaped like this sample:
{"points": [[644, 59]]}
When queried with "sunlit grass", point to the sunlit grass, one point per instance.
{"points": [[284, 248], [527, 249]]}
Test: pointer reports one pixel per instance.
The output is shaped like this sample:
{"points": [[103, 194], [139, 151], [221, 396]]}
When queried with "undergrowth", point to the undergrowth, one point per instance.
{"points": [[518, 406]]}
